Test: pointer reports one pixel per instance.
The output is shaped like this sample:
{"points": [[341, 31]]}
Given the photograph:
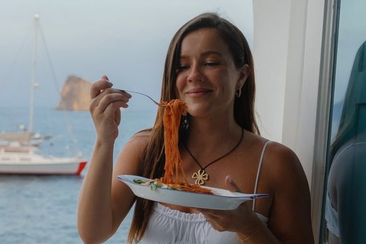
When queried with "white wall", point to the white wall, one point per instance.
{"points": [[270, 48], [287, 50]]}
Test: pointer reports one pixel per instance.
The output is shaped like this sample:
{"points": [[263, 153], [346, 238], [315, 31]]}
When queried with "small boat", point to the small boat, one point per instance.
{"points": [[19, 153], [19, 159]]}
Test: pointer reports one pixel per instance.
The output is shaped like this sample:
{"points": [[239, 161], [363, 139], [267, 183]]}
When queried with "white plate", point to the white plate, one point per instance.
{"points": [[222, 199]]}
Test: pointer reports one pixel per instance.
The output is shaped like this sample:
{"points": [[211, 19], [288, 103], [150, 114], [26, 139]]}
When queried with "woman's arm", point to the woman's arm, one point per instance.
{"points": [[97, 216], [104, 200], [290, 213]]}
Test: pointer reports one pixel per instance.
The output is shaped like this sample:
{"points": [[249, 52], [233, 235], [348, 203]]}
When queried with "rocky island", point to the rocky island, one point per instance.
{"points": [[75, 94]]}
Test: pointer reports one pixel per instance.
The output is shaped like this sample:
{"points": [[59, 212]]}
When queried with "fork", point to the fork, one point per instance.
{"points": [[143, 94]]}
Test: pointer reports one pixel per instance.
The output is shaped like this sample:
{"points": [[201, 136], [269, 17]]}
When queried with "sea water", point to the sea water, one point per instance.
{"points": [[42, 209]]}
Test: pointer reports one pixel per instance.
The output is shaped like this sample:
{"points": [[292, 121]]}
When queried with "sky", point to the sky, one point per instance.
{"points": [[124, 39], [352, 33]]}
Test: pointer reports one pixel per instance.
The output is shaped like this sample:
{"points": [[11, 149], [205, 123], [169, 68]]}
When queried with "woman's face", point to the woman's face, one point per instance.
{"points": [[207, 78]]}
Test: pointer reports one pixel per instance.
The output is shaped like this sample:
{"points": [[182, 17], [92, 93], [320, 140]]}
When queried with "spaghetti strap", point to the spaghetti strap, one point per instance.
{"points": [[258, 172]]}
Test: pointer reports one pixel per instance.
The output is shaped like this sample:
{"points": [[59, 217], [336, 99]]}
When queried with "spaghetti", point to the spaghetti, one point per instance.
{"points": [[173, 162]]}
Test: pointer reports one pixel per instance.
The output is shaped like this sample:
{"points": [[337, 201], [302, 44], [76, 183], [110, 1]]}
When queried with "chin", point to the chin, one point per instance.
{"points": [[198, 110]]}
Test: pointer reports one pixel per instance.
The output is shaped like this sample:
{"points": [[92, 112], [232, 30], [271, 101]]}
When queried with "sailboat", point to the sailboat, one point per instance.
{"points": [[19, 152]]}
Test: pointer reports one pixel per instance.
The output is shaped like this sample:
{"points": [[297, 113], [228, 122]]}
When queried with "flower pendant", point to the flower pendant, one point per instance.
{"points": [[201, 176]]}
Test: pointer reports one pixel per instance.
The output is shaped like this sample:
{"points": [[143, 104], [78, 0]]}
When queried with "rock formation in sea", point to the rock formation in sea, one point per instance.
{"points": [[75, 94]]}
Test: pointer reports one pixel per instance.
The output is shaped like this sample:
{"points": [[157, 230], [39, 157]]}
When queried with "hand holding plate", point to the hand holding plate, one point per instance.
{"points": [[240, 220]]}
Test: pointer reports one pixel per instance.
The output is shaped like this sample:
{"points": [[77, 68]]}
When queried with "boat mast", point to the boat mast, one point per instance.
{"points": [[34, 74]]}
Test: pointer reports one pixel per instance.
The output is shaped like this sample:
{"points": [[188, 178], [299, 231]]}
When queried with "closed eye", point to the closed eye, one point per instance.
{"points": [[212, 64], [183, 68]]}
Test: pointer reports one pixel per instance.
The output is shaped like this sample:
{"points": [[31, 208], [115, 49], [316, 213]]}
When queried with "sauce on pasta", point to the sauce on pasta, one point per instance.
{"points": [[173, 162]]}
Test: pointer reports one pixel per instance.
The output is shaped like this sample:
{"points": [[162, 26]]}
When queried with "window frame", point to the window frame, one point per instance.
{"points": [[324, 111]]}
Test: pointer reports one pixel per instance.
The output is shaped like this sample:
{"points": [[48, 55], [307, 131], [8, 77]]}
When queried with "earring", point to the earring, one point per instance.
{"points": [[238, 93]]}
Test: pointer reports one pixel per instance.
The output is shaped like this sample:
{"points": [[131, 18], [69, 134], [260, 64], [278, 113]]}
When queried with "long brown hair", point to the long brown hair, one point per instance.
{"points": [[153, 160]]}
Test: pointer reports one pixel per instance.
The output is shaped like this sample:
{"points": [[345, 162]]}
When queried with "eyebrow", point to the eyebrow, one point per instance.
{"points": [[204, 54], [211, 52]]}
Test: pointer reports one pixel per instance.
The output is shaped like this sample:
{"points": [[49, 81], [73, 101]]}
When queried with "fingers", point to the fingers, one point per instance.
{"points": [[108, 97], [213, 219], [103, 95], [99, 86], [113, 96], [231, 185], [105, 107], [112, 112], [117, 117]]}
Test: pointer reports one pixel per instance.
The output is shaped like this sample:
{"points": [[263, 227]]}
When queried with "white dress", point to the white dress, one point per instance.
{"points": [[168, 226]]}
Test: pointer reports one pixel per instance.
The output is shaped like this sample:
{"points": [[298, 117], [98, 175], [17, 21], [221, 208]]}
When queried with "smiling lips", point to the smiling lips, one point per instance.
{"points": [[197, 92]]}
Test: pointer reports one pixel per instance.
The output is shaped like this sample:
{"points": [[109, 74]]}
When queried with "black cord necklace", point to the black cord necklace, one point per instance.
{"points": [[201, 176]]}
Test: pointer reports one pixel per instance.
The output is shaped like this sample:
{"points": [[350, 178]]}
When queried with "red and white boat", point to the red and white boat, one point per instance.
{"points": [[18, 159], [27, 160]]}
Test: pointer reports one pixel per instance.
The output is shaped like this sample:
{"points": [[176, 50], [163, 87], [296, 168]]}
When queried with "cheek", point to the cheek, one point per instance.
{"points": [[179, 86]]}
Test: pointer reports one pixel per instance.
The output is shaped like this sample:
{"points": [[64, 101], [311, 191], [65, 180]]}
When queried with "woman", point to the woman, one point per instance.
{"points": [[209, 66]]}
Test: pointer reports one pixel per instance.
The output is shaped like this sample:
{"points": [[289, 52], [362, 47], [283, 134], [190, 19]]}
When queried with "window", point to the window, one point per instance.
{"points": [[345, 195]]}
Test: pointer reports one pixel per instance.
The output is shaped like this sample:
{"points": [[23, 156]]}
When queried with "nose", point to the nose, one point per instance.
{"points": [[195, 74]]}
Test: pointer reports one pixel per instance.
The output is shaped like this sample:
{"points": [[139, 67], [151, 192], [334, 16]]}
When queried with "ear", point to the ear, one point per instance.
{"points": [[243, 76]]}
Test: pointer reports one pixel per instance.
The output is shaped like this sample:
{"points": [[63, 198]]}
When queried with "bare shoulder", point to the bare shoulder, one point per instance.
{"points": [[282, 161], [279, 159], [282, 171], [143, 135]]}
